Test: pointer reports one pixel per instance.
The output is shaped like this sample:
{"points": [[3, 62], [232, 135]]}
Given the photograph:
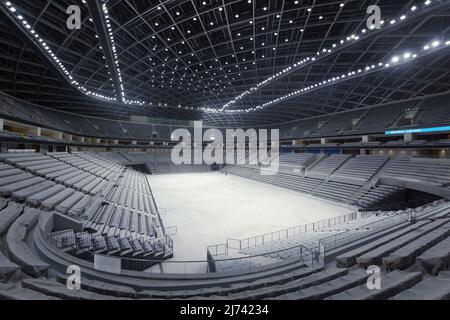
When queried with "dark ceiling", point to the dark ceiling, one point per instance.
{"points": [[203, 54]]}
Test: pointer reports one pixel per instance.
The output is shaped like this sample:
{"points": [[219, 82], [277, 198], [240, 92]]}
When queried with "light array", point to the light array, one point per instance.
{"points": [[117, 66], [322, 54], [44, 46], [396, 60], [28, 28], [300, 64], [114, 51]]}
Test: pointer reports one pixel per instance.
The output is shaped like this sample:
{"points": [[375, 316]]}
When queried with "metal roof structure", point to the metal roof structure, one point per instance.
{"points": [[219, 60]]}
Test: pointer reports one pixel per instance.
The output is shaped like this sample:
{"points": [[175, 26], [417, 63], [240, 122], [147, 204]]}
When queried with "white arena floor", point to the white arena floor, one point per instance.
{"points": [[208, 208]]}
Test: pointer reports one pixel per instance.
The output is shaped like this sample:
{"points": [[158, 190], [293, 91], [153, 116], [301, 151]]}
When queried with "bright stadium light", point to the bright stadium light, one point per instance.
{"points": [[325, 52], [395, 60]]}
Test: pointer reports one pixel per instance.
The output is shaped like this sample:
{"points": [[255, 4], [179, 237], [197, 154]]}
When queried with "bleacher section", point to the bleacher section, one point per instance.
{"points": [[118, 218], [327, 166], [155, 162], [433, 111], [337, 123], [112, 203], [298, 159], [379, 197], [397, 244], [380, 118], [430, 171], [350, 180], [360, 169]]}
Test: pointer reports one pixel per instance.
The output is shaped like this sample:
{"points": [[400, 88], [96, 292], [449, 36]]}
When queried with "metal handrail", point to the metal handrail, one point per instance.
{"points": [[288, 233], [89, 255], [373, 227]]}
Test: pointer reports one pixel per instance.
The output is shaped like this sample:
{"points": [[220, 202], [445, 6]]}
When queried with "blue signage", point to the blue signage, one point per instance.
{"points": [[423, 130]]}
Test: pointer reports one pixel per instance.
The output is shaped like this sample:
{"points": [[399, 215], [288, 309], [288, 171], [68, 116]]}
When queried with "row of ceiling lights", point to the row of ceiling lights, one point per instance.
{"points": [[311, 59], [297, 65], [433, 46], [26, 25], [116, 65], [138, 102], [44, 46], [278, 16]]}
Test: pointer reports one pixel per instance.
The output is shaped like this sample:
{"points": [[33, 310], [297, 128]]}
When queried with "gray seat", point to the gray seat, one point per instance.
{"points": [[10, 172], [19, 251], [329, 288], [375, 256], [7, 190], [8, 269], [23, 194], [291, 286], [428, 289], [348, 259], [52, 202], [11, 291], [57, 290], [405, 256], [3, 203], [436, 258], [80, 207], [103, 288], [8, 215], [391, 284], [96, 204], [15, 178], [36, 200], [63, 172], [68, 203]]}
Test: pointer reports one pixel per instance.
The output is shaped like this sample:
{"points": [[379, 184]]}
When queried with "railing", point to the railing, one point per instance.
{"points": [[172, 231], [168, 241], [275, 258], [218, 250], [286, 233], [80, 242], [153, 266], [345, 237], [161, 224]]}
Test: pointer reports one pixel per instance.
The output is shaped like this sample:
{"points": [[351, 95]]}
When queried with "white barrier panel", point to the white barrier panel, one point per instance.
{"points": [[21, 150], [107, 264]]}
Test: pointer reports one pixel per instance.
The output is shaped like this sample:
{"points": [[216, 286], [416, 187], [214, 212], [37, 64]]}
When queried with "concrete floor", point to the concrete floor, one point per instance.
{"points": [[208, 208]]}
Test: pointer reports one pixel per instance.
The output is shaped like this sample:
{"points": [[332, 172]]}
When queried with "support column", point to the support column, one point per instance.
{"points": [[364, 139], [36, 131], [2, 124], [408, 137]]}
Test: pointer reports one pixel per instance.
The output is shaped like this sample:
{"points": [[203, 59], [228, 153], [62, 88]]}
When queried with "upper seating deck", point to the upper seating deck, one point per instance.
{"points": [[433, 171]]}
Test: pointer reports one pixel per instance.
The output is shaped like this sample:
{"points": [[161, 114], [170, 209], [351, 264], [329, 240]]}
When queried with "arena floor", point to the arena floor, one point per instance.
{"points": [[208, 208]]}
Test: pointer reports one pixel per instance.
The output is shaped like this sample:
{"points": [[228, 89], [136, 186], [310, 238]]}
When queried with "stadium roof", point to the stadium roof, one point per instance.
{"points": [[234, 62]]}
